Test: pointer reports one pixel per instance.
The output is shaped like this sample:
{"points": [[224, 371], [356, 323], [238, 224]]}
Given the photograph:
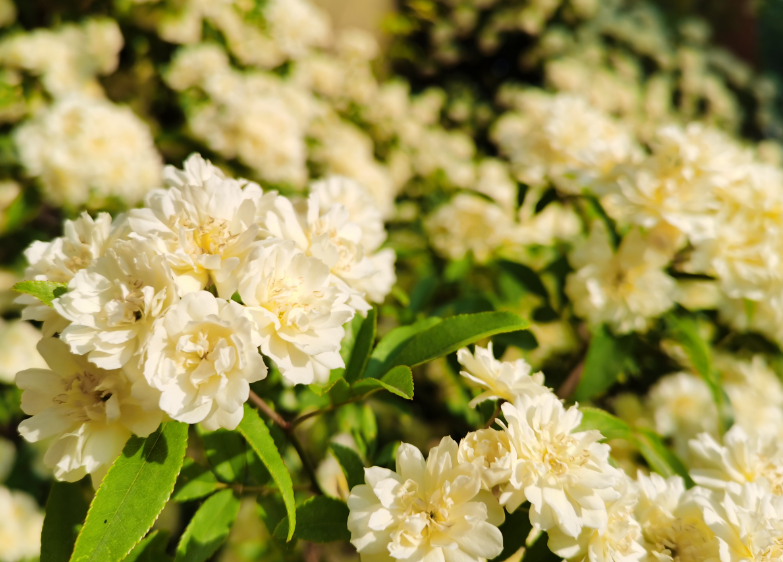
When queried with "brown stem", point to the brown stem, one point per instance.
{"points": [[269, 412], [572, 381], [296, 421], [493, 417]]}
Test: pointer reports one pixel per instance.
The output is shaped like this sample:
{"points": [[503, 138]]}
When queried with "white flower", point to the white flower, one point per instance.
{"points": [[672, 521], [562, 472], [452, 228], [21, 521], [433, 510], [491, 451], [84, 240], [621, 541], [203, 224], [17, 344], [87, 151], [202, 356], [748, 523], [741, 458], [499, 380], [112, 304], [626, 289], [90, 412], [297, 26], [297, 310]]}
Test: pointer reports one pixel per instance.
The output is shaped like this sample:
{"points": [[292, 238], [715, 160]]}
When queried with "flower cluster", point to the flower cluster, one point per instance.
{"points": [[167, 307]]}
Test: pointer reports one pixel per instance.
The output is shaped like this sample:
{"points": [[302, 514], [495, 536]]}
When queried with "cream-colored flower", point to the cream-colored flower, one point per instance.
{"points": [[21, 521], [203, 224], [297, 26], [18, 340], [433, 510], [491, 451], [626, 289], [297, 310], [564, 473], [499, 380], [88, 411], [202, 356], [87, 151], [112, 304]]}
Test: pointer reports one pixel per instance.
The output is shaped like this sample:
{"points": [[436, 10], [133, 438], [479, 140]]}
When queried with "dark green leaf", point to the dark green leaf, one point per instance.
{"points": [[610, 426], [539, 551], [226, 453], [399, 381], [195, 481], [319, 519], [151, 549], [209, 528], [44, 291], [391, 343], [515, 529], [257, 434], [132, 494], [661, 459], [362, 348], [271, 510], [352, 465], [65, 512], [451, 334], [605, 360], [527, 277]]}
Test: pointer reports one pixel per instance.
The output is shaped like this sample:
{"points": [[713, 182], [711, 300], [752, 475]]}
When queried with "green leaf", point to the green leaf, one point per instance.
{"points": [[539, 551], [515, 529], [65, 512], [606, 358], [351, 463], [271, 510], [362, 348], [151, 549], [610, 426], [399, 381], [44, 291], [451, 334], [132, 494], [392, 342], [195, 481], [209, 528], [660, 458], [685, 331], [226, 451], [257, 434], [319, 519]]}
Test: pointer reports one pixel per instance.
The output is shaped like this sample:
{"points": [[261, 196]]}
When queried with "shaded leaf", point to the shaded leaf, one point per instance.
{"points": [[660, 458], [65, 512], [226, 453], [391, 343], [319, 519], [44, 291], [194, 482], [257, 434], [610, 426], [351, 463], [132, 494], [209, 528], [151, 549], [399, 381], [271, 510], [362, 348], [515, 529]]}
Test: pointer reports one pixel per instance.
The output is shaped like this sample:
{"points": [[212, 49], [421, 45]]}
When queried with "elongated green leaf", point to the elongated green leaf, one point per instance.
{"points": [[151, 549], [257, 434], [44, 291], [271, 510], [352, 465], [610, 426], [451, 334], [319, 519], [362, 347], [194, 482], [392, 342], [685, 330], [209, 528], [65, 512], [399, 381], [226, 451], [515, 529], [660, 458], [132, 494], [605, 360]]}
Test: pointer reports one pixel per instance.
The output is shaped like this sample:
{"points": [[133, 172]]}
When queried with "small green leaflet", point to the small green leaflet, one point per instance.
{"points": [[44, 291], [195, 481], [132, 494], [606, 359], [226, 452], [65, 512], [392, 342], [362, 347], [399, 381], [610, 426], [151, 549], [257, 434], [209, 528], [351, 463], [319, 519]]}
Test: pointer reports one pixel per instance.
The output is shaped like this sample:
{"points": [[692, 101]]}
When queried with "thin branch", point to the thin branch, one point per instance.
{"points": [[493, 417], [572, 381], [296, 421], [269, 412]]}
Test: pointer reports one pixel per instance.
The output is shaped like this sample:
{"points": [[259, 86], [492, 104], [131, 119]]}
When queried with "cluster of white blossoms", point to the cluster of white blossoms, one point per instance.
{"points": [[449, 506], [21, 520], [167, 307]]}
